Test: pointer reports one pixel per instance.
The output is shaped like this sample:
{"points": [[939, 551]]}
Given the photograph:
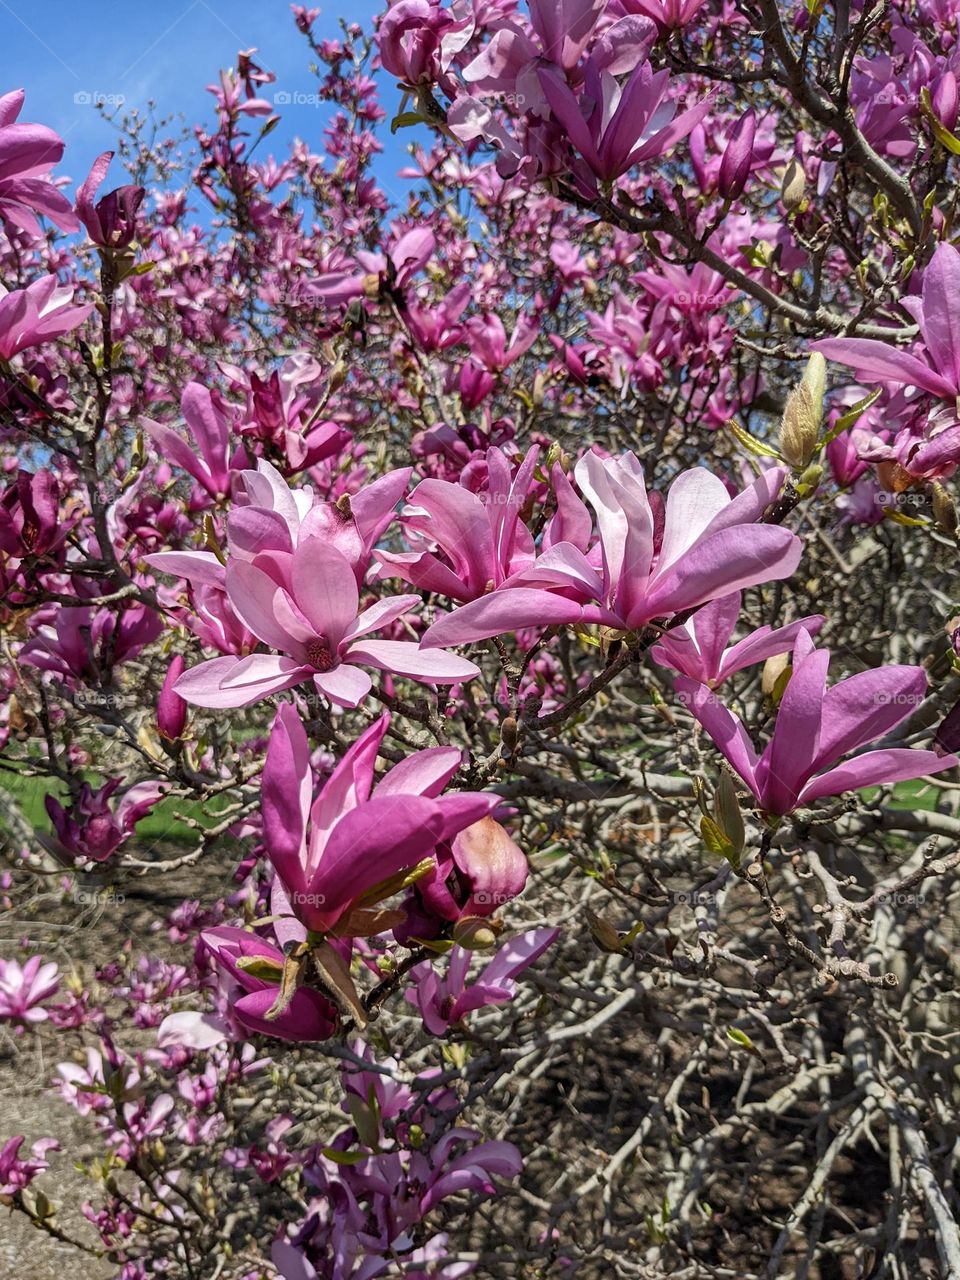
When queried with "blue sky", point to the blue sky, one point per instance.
{"points": [[169, 50]]}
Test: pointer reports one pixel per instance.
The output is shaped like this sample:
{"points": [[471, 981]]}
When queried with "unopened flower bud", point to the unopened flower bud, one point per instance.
{"points": [[793, 186], [803, 414], [737, 157], [171, 708], [944, 510], [475, 934]]}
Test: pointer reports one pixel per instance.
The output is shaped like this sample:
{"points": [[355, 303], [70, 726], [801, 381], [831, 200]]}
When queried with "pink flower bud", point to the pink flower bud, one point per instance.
{"points": [[945, 101], [494, 868], [738, 157], [171, 708]]}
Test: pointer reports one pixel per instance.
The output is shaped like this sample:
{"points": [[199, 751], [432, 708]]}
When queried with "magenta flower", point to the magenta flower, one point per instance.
{"points": [[934, 311], [472, 542], [708, 545], [737, 160], [477, 872], [418, 39], [171, 708], [327, 852], [308, 610], [308, 1016], [614, 127], [24, 988], [27, 154], [29, 515], [443, 1002], [111, 222], [84, 643], [41, 311], [699, 649], [489, 345], [208, 458], [92, 829], [16, 1172], [669, 15], [816, 728]]}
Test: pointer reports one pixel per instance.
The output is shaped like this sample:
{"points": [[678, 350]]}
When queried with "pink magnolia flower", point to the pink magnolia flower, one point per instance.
{"points": [[306, 606], [471, 543], [737, 160], [29, 515], [559, 32], [17, 1172], [708, 545], [816, 727], [934, 311], [84, 643], [436, 328], [308, 1016], [208, 459], [669, 15], [409, 254], [419, 39], [488, 340], [112, 221], [171, 708], [24, 988], [41, 311], [328, 851], [614, 127], [477, 872], [279, 409], [443, 1002], [92, 829], [27, 154], [699, 649]]}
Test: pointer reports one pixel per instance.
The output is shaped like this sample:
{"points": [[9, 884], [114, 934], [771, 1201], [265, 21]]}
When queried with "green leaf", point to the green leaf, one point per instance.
{"points": [[849, 418], [715, 839], [741, 1038], [406, 119], [751, 443]]}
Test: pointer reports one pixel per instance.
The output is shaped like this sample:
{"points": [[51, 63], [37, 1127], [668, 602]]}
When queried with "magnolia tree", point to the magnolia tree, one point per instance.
{"points": [[437, 839]]}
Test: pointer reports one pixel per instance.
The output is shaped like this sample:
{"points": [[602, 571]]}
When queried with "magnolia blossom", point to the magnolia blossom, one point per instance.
{"points": [[648, 564], [92, 828], [255, 966], [816, 727], [41, 311], [208, 460], [936, 369], [443, 1002], [614, 127], [471, 542], [17, 1172], [329, 850], [293, 580], [23, 989], [701, 650], [112, 221], [27, 154], [308, 609]]}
